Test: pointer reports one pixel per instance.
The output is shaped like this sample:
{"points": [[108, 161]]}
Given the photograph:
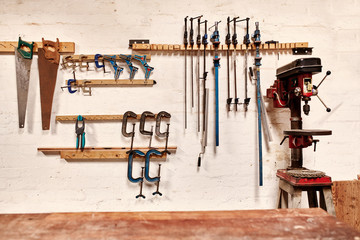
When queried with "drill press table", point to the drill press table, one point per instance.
{"points": [[247, 224]]}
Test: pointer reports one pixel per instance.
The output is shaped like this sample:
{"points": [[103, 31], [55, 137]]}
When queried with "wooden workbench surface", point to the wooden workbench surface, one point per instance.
{"points": [[248, 224]]}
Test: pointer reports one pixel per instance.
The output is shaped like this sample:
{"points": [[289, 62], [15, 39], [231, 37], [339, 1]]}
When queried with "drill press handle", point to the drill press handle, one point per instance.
{"points": [[315, 91]]}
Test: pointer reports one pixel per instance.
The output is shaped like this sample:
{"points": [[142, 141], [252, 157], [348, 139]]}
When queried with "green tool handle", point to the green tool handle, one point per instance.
{"points": [[25, 54]]}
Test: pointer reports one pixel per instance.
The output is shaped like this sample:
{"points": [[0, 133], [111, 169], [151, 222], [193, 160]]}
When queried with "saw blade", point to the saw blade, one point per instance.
{"points": [[47, 74], [22, 83]]}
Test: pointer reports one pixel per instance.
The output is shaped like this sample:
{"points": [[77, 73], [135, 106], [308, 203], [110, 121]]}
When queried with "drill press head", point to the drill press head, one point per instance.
{"points": [[294, 81]]}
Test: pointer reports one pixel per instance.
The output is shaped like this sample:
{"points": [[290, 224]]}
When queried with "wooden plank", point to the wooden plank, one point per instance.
{"points": [[91, 58], [246, 224], [328, 200], [141, 46], [57, 150], [101, 154], [8, 47], [346, 197], [240, 47], [72, 118], [112, 82]]}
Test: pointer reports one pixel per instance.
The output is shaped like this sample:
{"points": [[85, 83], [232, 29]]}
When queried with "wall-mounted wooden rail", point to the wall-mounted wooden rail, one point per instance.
{"points": [[113, 83], [72, 118], [91, 58], [100, 153], [9, 47], [239, 47]]}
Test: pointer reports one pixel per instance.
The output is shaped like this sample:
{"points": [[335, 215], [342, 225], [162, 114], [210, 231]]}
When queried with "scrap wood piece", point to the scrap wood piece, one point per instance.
{"points": [[9, 46], [72, 118], [346, 195], [239, 47], [111, 82]]}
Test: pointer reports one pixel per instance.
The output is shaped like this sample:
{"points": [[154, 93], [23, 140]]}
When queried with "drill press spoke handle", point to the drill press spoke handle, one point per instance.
{"points": [[315, 91]]}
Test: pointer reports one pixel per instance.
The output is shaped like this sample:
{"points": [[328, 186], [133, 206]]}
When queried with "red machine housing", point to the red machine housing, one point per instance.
{"points": [[284, 89]]}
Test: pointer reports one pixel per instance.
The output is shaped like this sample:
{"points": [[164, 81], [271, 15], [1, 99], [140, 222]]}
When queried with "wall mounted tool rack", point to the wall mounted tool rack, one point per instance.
{"points": [[72, 118], [8, 47], [82, 61], [101, 153], [91, 58], [298, 47]]}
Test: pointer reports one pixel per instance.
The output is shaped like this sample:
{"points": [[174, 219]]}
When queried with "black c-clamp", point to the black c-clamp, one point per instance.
{"points": [[128, 114], [161, 115], [143, 117]]}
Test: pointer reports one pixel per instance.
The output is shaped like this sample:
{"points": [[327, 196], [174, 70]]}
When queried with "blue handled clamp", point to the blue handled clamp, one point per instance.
{"points": [[69, 87], [117, 69], [132, 68], [97, 61], [142, 60]]}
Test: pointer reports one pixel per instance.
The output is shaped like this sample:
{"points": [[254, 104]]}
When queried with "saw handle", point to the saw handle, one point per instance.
{"points": [[51, 50], [23, 53]]}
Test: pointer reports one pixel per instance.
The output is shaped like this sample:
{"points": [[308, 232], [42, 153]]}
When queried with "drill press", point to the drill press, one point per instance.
{"points": [[293, 85]]}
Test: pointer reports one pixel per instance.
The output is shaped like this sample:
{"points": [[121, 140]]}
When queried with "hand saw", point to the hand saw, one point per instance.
{"points": [[23, 59], [48, 61]]}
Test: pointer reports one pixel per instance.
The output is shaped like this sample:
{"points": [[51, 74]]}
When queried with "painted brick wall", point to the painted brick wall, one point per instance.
{"points": [[228, 178]]}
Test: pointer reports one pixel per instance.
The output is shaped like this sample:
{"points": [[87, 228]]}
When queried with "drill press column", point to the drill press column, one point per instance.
{"points": [[296, 123]]}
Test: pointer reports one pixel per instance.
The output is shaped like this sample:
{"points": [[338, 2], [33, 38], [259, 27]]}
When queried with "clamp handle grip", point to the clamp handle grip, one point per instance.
{"points": [[82, 145], [97, 61]]}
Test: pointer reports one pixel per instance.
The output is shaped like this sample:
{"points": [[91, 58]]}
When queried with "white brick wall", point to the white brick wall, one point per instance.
{"points": [[33, 182]]}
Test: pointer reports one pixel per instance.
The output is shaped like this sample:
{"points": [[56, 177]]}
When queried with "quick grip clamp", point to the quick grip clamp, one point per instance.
{"points": [[132, 68], [147, 68], [215, 37], [257, 42], [117, 69]]}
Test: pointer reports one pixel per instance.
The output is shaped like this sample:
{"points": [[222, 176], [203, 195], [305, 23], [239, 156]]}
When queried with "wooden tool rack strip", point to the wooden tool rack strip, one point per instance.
{"points": [[91, 58], [112, 82], [9, 47], [101, 153], [72, 118], [239, 47]]}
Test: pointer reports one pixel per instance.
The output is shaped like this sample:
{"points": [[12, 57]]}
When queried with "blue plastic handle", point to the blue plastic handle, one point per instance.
{"points": [[69, 85], [97, 61]]}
